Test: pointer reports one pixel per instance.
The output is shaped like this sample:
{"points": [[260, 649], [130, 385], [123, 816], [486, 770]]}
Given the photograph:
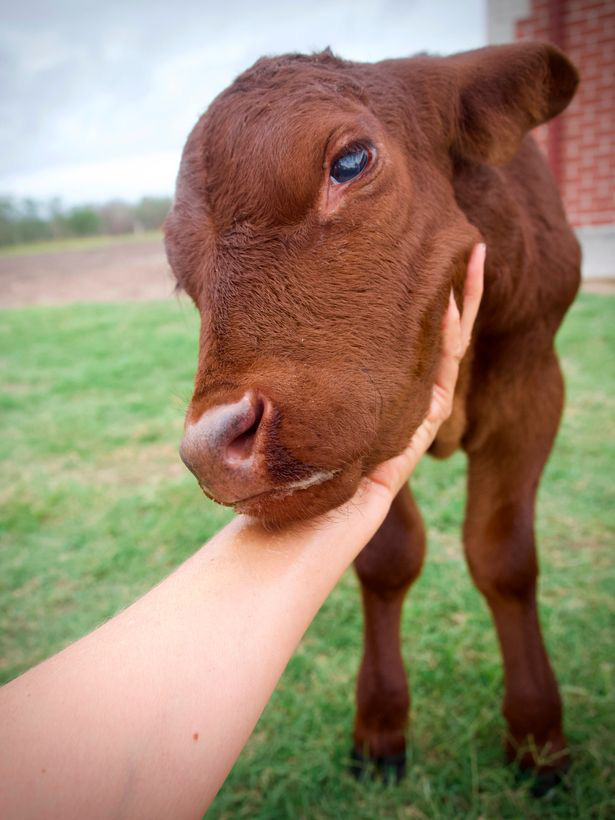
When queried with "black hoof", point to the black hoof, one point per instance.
{"points": [[389, 768], [545, 782], [542, 782]]}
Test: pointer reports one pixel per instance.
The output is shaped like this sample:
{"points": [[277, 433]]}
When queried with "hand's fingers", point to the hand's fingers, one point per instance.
{"points": [[456, 333], [394, 472], [473, 292], [448, 367]]}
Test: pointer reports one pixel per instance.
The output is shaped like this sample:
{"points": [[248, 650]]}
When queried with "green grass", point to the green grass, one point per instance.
{"points": [[77, 243], [95, 508]]}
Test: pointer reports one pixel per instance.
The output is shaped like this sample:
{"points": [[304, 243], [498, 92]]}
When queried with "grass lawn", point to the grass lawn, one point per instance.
{"points": [[96, 507], [78, 243]]}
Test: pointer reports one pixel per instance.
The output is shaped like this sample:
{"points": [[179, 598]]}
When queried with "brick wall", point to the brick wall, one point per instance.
{"points": [[581, 143]]}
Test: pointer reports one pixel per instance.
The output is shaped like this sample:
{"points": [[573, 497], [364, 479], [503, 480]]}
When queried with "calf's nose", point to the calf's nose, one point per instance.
{"points": [[225, 449]]}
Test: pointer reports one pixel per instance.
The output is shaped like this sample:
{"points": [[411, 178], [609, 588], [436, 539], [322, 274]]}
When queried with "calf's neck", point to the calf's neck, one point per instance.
{"points": [[323, 211]]}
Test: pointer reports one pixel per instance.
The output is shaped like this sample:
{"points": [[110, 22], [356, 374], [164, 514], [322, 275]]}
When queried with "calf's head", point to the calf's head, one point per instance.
{"points": [[316, 229]]}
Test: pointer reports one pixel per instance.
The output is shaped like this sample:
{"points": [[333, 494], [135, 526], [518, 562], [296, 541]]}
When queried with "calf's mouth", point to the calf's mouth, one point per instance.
{"points": [[237, 453]]}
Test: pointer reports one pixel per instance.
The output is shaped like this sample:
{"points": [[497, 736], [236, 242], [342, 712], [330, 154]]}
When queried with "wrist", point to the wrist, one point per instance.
{"points": [[336, 537]]}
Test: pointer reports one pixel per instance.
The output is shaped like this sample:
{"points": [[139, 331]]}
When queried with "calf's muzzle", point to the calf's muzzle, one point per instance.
{"points": [[225, 449]]}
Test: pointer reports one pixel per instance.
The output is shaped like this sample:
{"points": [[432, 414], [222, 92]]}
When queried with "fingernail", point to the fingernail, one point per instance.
{"points": [[483, 248]]}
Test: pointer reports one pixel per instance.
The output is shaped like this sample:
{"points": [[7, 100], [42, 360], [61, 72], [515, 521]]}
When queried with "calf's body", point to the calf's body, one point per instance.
{"points": [[506, 415], [323, 211]]}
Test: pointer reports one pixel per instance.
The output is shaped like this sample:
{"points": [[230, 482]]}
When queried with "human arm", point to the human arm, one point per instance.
{"points": [[146, 715]]}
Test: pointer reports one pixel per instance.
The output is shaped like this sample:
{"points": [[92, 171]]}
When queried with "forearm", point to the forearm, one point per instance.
{"points": [[145, 716]]}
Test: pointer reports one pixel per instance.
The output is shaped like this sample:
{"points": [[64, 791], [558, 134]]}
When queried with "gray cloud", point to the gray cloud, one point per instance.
{"points": [[86, 82]]}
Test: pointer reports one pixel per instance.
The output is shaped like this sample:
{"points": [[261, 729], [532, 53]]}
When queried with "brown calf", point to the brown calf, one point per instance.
{"points": [[323, 210]]}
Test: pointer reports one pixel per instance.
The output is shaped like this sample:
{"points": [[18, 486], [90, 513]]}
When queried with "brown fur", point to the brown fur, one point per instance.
{"points": [[329, 302]]}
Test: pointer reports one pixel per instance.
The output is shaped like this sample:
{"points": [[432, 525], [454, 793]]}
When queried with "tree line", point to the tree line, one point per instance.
{"points": [[29, 220]]}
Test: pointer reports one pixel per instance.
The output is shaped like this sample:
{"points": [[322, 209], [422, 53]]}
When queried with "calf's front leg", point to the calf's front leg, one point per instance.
{"points": [[501, 552], [387, 566]]}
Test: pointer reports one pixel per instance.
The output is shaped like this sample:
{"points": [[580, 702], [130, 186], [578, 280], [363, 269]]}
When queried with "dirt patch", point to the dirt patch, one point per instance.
{"points": [[110, 273], [606, 285]]}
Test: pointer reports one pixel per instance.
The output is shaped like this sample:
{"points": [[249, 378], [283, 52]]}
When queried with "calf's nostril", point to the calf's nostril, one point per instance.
{"points": [[225, 448], [242, 446]]}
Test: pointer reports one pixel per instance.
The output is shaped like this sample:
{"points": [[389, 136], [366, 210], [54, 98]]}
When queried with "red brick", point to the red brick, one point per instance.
{"points": [[588, 127]]}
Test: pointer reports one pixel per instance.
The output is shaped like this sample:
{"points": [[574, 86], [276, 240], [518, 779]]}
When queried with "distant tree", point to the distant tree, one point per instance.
{"points": [[57, 218], [27, 220], [117, 217], [31, 225], [151, 211], [83, 221], [9, 232]]}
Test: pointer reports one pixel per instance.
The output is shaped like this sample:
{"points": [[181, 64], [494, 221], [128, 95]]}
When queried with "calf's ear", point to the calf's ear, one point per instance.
{"points": [[503, 92]]}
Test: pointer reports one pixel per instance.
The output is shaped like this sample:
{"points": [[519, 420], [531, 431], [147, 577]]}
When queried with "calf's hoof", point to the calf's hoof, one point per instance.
{"points": [[543, 782], [546, 766], [389, 768]]}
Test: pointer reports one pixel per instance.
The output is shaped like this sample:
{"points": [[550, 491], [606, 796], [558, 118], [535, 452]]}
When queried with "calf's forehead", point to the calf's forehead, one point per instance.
{"points": [[264, 157]]}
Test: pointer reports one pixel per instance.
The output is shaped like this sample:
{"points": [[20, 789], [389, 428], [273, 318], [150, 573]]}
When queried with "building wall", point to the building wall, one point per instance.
{"points": [[580, 144], [501, 18]]}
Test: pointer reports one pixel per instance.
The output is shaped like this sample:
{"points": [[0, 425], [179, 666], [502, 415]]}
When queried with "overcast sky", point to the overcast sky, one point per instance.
{"points": [[97, 98]]}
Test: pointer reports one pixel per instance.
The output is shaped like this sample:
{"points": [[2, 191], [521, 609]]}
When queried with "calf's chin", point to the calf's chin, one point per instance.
{"points": [[280, 507]]}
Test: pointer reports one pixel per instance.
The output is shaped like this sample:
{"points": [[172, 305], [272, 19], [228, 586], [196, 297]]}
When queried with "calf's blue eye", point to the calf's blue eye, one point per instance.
{"points": [[349, 165]]}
